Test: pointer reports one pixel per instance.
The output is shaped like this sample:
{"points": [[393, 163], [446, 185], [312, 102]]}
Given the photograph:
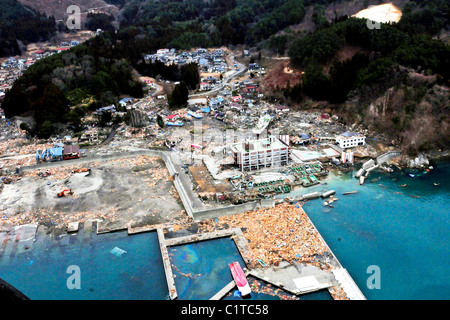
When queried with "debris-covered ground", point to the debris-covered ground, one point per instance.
{"points": [[135, 190]]}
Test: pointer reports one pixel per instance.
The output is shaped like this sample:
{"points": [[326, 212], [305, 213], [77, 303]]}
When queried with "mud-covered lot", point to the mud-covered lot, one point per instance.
{"points": [[136, 190]]}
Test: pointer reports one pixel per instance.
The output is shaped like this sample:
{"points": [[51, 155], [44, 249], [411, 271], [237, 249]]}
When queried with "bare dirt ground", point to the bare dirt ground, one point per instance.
{"points": [[206, 182], [136, 190], [282, 74]]}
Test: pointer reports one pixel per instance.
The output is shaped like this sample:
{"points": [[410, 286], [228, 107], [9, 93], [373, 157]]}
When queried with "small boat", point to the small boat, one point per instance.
{"points": [[436, 184], [361, 180], [177, 123], [412, 175], [403, 185], [195, 115], [240, 278], [261, 263], [349, 192], [325, 203]]}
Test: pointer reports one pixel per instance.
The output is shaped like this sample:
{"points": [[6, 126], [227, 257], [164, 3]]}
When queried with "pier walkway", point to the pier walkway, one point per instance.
{"points": [[222, 292], [167, 267], [351, 289]]}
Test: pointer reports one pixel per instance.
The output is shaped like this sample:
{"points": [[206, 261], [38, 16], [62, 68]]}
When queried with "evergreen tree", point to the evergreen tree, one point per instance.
{"points": [[179, 96]]}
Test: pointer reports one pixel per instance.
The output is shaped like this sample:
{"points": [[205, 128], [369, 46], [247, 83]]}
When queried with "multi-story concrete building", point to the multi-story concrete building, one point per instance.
{"points": [[258, 154], [350, 139]]}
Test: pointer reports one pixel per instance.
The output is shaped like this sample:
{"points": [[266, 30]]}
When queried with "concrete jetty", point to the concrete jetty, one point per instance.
{"points": [[351, 289], [136, 230], [167, 267], [199, 237], [341, 275], [222, 292]]}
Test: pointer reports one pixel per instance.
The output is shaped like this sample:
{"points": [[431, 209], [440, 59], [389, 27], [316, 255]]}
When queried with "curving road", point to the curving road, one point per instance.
{"points": [[225, 80]]}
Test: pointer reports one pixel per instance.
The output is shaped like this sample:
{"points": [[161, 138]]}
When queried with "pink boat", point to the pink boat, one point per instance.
{"points": [[239, 278]]}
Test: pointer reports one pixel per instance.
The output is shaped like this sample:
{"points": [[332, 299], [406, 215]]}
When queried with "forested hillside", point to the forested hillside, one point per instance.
{"points": [[405, 61], [397, 82], [19, 23]]}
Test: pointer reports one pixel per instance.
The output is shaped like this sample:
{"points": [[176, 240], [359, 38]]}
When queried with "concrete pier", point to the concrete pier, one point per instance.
{"points": [[342, 276], [351, 289], [199, 237], [222, 292], [73, 227], [167, 267], [140, 229]]}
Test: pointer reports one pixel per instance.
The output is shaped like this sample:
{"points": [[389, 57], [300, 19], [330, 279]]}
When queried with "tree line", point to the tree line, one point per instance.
{"points": [[382, 50]]}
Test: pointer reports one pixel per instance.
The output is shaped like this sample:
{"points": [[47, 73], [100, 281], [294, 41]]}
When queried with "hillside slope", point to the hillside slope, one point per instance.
{"points": [[58, 8]]}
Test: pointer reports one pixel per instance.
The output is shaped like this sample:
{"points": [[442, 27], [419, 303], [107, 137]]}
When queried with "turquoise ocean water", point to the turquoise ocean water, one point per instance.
{"points": [[41, 272], [404, 230]]}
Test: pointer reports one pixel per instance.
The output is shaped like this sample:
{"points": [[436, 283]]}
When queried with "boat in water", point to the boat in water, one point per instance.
{"points": [[240, 278]]}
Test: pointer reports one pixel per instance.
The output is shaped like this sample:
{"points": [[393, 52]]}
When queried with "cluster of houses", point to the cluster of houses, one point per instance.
{"points": [[20, 64], [10, 70], [209, 83], [241, 109], [66, 44], [208, 61], [12, 67]]}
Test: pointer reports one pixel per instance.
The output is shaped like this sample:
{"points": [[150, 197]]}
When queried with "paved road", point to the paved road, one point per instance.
{"points": [[225, 80], [20, 156]]}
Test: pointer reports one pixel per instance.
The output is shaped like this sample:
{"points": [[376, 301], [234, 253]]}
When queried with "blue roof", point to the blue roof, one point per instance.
{"points": [[304, 136], [348, 134], [125, 100]]}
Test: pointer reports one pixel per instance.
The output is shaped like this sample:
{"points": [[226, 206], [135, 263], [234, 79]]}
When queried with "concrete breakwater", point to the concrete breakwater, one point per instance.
{"points": [[311, 196]]}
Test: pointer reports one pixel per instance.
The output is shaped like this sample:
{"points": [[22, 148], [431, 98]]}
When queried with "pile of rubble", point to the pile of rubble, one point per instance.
{"points": [[282, 233], [338, 293]]}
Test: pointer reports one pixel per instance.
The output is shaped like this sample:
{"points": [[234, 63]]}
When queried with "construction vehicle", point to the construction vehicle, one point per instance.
{"points": [[81, 170], [63, 193]]}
